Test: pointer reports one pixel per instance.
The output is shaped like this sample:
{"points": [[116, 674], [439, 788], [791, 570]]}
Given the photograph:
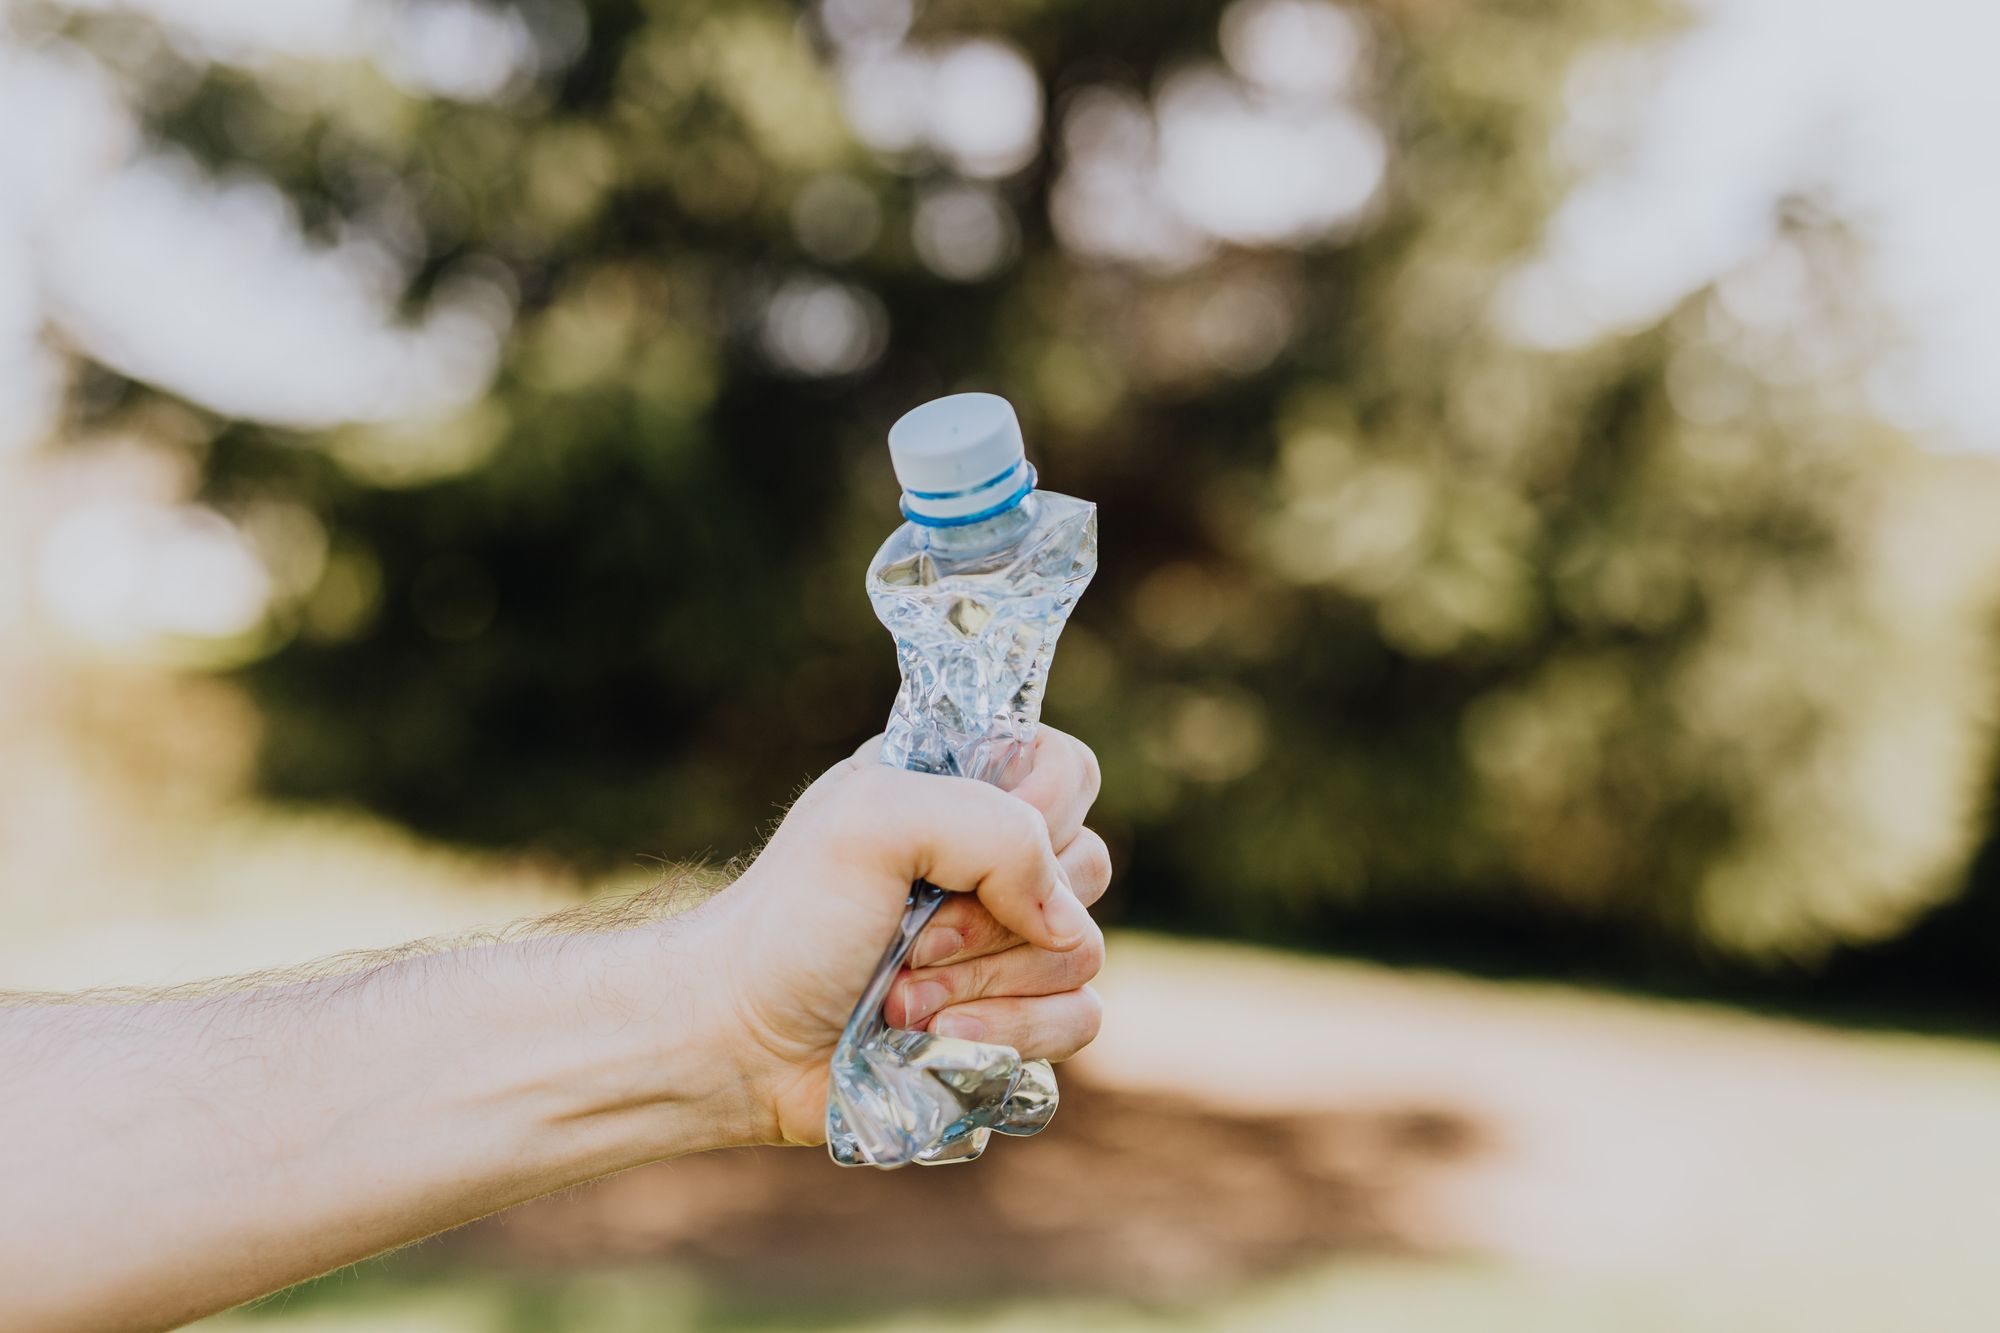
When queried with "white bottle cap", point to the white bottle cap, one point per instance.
{"points": [[960, 459]]}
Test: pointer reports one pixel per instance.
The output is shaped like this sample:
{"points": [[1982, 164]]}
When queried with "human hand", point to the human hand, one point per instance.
{"points": [[1007, 958]]}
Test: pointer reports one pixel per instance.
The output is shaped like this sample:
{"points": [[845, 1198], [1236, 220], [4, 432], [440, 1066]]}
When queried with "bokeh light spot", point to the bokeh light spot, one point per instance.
{"points": [[817, 327], [964, 232]]}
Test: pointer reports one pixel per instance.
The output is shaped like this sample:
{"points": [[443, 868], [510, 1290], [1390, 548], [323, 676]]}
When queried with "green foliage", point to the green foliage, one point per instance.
{"points": [[1391, 609]]}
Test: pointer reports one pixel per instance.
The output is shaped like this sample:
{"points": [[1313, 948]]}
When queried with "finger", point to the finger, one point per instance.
{"points": [[867, 756], [1061, 784], [1043, 1027], [1087, 862], [1021, 970], [963, 928], [964, 836]]}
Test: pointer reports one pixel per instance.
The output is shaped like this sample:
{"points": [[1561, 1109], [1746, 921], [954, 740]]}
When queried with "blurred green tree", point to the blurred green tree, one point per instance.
{"points": [[1393, 610]]}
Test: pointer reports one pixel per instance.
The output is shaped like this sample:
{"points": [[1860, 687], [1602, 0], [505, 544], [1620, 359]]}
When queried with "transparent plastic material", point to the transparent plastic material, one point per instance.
{"points": [[975, 611]]}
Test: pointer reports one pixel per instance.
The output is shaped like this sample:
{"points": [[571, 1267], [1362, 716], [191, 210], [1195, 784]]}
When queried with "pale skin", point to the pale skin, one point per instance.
{"points": [[167, 1155]]}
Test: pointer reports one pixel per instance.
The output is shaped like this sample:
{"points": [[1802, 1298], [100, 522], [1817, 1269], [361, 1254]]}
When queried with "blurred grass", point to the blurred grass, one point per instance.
{"points": [[1345, 1297]]}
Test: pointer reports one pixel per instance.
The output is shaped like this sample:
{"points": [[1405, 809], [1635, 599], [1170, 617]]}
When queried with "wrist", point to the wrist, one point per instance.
{"points": [[658, 1074]]}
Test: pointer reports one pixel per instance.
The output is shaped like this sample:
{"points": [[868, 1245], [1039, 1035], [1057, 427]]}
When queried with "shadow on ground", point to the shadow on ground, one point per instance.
{"points": [[1126, 1196]]}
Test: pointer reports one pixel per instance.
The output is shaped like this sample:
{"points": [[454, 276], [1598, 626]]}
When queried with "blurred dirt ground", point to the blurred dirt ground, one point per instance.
{"points": [[1265, 1141], [1159, 1201], [1249, 1118]]}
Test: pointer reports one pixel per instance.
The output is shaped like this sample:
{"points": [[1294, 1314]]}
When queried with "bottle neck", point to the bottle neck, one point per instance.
{"points": [[988, 534], [969, 505]]}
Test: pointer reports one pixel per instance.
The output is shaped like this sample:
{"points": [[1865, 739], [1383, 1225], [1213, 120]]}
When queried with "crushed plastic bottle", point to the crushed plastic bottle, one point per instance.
{"points": [[976, 588]]}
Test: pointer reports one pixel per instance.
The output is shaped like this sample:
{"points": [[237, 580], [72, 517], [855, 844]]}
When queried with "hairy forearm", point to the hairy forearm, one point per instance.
{"points": [[166, 1156]]}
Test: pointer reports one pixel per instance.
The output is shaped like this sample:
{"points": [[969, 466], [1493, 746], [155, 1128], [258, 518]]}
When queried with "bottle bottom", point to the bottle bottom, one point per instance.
{"points": [[898, 1096]]}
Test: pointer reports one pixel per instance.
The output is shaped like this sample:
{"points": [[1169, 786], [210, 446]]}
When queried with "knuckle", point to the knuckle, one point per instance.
{"points": [[965, 914], [1073, 1026], [850, 809], [1088, 864], [1092, 1014], [1004, 1024], [981, 932], [975, 977], [861, 788], [872, 814], [978, 931], [1027, 834], [1091, 777], [1087, 959], [1096, 860]]}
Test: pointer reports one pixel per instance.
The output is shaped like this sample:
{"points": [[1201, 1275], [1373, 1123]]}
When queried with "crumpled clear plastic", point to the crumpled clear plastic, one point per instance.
{"points": [[975, 631], [900, 1096]]}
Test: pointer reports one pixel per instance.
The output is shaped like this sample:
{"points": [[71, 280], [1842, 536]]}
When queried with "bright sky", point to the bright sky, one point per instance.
{"points": [[1888, 111], [207, 286]]}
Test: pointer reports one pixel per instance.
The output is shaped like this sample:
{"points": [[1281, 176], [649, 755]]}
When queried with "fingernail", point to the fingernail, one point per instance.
{"points": [[963, 1026], [921, 999], [1067, 920], [935, 945]]}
